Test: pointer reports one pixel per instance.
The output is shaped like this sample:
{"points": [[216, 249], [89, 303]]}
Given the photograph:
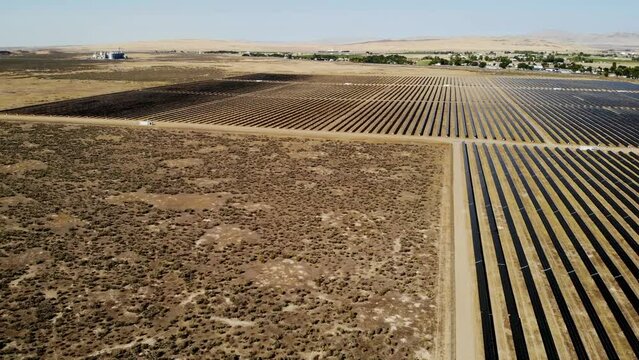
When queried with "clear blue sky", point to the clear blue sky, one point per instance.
{"points": [[60, 22]]}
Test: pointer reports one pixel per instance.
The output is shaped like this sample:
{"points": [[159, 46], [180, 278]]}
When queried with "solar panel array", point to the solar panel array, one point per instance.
{"points": [[587, 112], [555, 236]]}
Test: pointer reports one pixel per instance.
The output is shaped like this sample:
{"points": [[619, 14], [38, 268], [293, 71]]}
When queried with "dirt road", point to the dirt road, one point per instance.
{"points": [[310, 134]]}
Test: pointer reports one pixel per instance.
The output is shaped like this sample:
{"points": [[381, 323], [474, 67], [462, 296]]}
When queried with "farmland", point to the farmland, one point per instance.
{"points": [[314, 207]]}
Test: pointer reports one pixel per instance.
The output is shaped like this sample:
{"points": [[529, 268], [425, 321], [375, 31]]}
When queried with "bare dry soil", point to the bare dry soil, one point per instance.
{"points": [[147, 243]]}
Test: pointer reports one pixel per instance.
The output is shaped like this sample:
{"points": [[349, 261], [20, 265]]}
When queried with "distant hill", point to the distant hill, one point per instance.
{"points": [[546, 41], [616, 41]]}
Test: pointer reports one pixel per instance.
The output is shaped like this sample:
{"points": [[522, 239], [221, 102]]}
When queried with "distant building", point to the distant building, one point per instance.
{"points": [[5, 52], [109, 55]]}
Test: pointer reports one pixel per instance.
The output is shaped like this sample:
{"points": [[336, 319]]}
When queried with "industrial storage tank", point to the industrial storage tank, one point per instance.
{"points": [[110, 55]]}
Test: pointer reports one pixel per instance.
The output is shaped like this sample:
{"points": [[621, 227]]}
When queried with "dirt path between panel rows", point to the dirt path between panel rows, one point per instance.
{"points": [[445, 341], [466, 330]]}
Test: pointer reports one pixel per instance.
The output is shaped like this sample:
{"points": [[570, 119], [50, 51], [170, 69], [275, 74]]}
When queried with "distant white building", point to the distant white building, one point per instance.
{"points": [[109, 55]]}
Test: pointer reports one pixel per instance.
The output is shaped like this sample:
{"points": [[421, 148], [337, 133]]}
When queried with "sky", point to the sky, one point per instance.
{"points": [[75, 22]]}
